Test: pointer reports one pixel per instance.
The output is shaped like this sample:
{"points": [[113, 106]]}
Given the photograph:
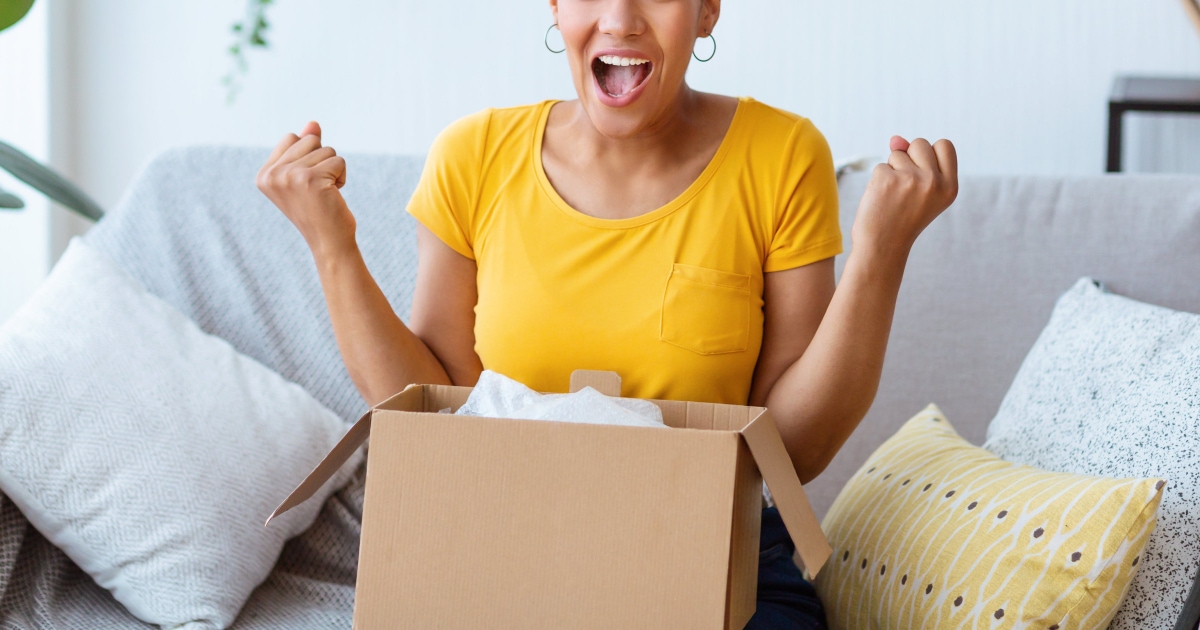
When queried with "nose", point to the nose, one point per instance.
{"points": [[622, 18]]}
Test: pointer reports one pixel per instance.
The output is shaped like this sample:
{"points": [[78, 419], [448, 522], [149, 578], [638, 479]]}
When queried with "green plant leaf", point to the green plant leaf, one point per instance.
{"points": [[11, 11], [48, 182], [249, 33], [9, 201]]}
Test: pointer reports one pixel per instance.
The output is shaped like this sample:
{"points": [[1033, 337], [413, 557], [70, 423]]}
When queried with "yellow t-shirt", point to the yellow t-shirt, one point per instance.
{"points": [[672, 299]]}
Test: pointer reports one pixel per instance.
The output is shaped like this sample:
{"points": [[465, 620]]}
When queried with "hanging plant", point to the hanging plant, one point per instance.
{"points": [[250, 32]]}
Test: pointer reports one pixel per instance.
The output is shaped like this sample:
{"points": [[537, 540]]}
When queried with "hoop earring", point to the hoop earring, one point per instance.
{"points": [[546, 40], [710, 55]]}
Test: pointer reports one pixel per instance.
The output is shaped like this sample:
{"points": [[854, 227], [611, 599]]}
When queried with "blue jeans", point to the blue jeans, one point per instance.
{"points": [[785, 598]]}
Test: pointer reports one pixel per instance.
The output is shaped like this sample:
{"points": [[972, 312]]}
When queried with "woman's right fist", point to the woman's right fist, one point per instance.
{"points": [[303, 178]]}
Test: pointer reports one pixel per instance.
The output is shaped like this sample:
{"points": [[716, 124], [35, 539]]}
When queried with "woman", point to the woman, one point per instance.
{"points": [[682, 239]]}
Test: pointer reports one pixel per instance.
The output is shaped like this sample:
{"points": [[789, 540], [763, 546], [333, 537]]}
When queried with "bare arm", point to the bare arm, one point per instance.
{"points": [[381, 354], [443, 312], [819, 380]]}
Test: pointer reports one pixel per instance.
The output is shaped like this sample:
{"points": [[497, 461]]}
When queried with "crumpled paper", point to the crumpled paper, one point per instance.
{"points": [[497, 396]]}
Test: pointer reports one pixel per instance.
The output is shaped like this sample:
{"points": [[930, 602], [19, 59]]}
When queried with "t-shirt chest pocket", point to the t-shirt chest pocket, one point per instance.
{"points": [[705, 310]]}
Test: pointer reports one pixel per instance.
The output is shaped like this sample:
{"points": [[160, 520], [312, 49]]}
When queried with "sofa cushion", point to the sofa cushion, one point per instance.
{"points": [[982, 280], [1112, 387], [933, 532], [194, 229], [148, 451]]}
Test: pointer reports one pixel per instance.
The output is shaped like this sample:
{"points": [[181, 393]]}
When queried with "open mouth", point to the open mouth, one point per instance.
{"points": [[619, 76]]}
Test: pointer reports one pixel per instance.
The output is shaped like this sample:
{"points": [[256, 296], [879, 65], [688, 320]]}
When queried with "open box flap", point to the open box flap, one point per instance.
{"points": [[412, 397], [762, 436], [341, 453]]}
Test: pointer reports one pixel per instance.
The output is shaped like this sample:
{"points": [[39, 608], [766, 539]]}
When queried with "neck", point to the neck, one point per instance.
{"points": [[668, 135]]}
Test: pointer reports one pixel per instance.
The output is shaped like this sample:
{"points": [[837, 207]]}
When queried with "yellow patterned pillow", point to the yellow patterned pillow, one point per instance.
{"points": [[933, 532]]}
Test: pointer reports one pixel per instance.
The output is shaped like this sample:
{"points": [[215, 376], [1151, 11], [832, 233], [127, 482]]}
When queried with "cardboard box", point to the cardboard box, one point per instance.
{"points": [[490, 523]]}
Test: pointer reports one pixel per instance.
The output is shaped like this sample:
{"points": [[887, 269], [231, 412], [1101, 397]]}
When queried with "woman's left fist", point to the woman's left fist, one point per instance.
{"points": [[918, 182]]}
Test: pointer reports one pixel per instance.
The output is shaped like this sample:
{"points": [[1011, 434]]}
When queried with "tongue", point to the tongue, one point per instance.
{"points": [[619, 80]]}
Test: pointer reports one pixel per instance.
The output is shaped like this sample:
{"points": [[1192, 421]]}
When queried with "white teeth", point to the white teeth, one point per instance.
{"points": [[614, 60]]}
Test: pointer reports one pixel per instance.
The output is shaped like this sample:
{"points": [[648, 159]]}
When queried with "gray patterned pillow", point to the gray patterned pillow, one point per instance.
{"points": [[149, 451], [1112, 387]]}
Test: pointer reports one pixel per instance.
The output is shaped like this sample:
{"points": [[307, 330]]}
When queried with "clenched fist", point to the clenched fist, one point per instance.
{"points": [[303, 179], [918, 182]]}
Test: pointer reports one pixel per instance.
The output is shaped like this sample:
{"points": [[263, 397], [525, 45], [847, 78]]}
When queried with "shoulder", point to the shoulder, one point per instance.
{"points": [[802, 222], [482, 129], [789, 131]]}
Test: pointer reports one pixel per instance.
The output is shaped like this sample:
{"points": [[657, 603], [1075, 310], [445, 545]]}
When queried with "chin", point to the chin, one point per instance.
{"points": [[620, 124]]}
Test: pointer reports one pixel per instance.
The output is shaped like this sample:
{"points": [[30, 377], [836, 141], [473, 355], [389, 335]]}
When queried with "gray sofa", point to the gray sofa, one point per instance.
{"points": [[980, 285], [982, 281]]}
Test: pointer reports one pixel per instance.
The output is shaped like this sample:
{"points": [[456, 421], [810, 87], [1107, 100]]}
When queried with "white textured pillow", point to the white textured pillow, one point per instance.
{"points": [[1112, 387], [149, 451]]}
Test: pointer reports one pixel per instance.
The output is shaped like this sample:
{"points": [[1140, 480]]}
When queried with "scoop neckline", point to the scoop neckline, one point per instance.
{"points": [[642, 219]]}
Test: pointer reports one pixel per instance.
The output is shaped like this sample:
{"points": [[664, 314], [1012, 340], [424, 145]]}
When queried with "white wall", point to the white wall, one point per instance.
{"points": [[1020, 85]]}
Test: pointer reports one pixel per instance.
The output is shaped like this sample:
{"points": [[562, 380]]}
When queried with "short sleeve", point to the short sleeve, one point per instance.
{"points": [[806, 218], [446, 196]]}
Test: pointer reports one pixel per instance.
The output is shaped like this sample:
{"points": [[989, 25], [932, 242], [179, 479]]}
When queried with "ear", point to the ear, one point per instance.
{"points": [[554, 10], [710, 11]]}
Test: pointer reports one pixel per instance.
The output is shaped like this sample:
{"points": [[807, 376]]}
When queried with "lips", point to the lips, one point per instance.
{"points": [[620, 77]]}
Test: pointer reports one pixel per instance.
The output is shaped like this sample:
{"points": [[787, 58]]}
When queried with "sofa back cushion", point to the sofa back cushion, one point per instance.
{"points": [[197, 232], [983, 279]]}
